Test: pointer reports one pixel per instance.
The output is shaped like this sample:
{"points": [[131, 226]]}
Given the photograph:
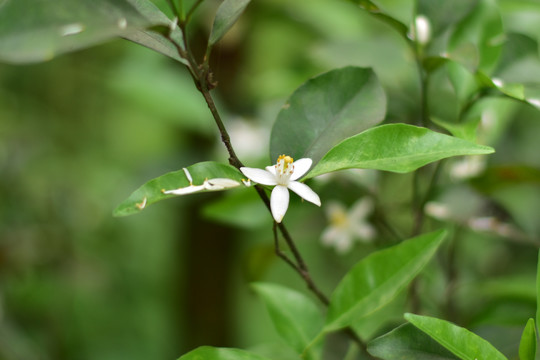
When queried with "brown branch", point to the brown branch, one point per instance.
{"points": [[201, 77]]}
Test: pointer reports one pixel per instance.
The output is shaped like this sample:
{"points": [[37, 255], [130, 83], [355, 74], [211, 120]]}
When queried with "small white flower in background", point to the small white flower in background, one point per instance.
{"points": [[492, 224], [468, 167], [346, 226], [438, 210], [250, 140], [283, 176], [421, 31], [208, 184]]}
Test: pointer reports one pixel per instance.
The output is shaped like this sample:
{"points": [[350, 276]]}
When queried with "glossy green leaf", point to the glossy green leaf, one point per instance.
{"points": [[227, 14], [32, 31], [295, 316], [527, 345], [152, 39], [378, 278], [214, 353], [478, 38], [460, 341], [408, 343], [151, 192], [326, 110], [394, 147]]}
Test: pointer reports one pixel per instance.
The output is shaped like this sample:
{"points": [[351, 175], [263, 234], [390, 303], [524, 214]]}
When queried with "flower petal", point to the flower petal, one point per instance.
{"points": [[344, 243], [223, 182], [279, 202], [301, 167], [271, 169], [185, 190], [334, 209], [305, 192], [259, 176], [188, 176], [364, 231], [330, 235], [361, 209]]}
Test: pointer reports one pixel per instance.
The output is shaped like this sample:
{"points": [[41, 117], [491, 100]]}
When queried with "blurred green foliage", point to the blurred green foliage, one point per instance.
{"points": [[79, 133]]}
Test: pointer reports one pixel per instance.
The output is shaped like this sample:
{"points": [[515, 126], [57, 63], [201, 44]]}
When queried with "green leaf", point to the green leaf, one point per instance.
{"points": [[394, 147], [295, 316], [460, 341], [465, 130], [444, 13], [408, 343], [517, 48], [376, 279], [463, 81], [376, 12], [432, 63], [32, 31], [512, 90], [325, 110], [227, 14], [372, 324], [151, 192], [478, 38], [152, 39], [527, 345], [522, 202], [538, 290], [213, 353]]}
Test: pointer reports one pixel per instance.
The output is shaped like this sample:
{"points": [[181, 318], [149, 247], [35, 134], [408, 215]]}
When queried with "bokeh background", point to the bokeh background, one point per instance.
{"points": [[79, 133]]}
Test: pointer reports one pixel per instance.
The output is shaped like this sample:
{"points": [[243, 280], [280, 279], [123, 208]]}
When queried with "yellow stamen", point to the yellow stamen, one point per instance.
{"points": [[286, 159], [339, 218]]}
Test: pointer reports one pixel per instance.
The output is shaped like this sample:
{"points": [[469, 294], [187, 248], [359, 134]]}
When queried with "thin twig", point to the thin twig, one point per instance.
{"points": [[278, 251], [200, 76], [225, 138]]}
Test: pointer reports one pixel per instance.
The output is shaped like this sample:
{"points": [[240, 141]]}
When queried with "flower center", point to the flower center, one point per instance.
{"points": [[284, 169], [339, 219]]}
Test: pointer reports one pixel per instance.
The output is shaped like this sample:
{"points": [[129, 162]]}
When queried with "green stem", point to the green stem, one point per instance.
{"points": [[420, 202]]}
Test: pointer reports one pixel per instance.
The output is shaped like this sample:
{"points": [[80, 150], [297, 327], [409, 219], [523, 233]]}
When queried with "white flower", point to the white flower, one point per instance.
{"points": [[283, 176], [421, 30], [347, 226], [438, 210]]}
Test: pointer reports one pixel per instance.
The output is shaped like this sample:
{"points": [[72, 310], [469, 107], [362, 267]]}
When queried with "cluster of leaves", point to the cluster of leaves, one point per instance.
{"points": [[334, 119]]}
